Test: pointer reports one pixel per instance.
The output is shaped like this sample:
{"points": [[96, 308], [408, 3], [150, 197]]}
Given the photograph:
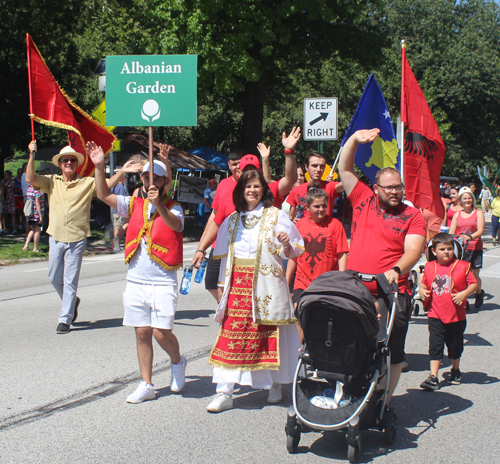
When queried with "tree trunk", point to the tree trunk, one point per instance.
{"points": [[253, 114]]}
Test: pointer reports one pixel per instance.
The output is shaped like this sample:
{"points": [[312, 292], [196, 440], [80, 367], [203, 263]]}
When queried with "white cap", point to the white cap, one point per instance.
{"points": [[159, 168]]}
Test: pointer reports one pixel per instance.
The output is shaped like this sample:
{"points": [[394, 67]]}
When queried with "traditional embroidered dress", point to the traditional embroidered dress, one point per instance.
{"points": [[258, 342]]}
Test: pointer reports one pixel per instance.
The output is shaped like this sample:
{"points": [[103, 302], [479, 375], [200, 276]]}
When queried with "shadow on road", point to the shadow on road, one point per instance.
{"points": [[195, 387], [417, 409], [103, 324]]}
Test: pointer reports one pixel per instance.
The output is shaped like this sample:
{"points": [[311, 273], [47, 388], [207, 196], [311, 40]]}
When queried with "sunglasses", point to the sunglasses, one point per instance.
{"points": [[68, 160]]}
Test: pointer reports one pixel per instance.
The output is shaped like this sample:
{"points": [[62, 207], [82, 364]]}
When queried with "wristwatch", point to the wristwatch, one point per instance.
{"points": [[397, 269]]}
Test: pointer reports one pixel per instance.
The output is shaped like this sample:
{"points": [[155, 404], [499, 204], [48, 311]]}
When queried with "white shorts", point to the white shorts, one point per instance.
{"points": [[149, 305]]}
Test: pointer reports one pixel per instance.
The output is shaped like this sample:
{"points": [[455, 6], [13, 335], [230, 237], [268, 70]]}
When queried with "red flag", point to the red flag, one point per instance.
{"points": [[423, 146], [50, 105]]}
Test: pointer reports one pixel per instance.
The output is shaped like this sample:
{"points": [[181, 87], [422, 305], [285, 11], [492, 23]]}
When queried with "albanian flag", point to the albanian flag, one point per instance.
{"points": [[423, 146], [51, 106]]}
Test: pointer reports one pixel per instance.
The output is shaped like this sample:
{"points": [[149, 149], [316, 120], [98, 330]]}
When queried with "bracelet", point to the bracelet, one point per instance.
{"points": [[289, 152], [199, 251], [471, 237]]}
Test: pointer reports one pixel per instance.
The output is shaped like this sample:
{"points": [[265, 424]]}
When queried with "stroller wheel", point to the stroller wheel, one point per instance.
{"points": [[416, 307], [390, 426], [292, 441], [353, 452]]}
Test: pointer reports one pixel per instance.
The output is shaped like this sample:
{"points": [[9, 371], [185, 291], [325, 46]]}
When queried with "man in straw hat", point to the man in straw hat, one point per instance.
{"points": [[70, 196]]}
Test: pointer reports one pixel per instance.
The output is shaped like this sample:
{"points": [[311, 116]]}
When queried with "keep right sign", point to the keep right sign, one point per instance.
{"points": [[320, 118]]}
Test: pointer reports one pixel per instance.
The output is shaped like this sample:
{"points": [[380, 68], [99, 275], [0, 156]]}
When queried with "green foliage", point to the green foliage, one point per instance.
{"points": [[258, 60]]}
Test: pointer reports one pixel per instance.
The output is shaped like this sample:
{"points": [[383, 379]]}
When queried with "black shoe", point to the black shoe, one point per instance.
{"points": [[76, 310], [62, 328], [455, 377], [479, 299], [431, 383]]}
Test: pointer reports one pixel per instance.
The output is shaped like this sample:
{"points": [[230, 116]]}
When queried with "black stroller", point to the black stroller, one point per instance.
{"points": [[343, 357]]}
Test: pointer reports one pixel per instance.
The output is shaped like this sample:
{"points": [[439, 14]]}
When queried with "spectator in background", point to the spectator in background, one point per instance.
{"points": [[119, 222], [495, 218], [2, 222], [208, 198], [485, 196], [34, 221], [19, 198], [10, 202]]}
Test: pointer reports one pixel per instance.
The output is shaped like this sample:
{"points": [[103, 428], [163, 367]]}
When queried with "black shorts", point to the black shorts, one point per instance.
{"points": [[32, 223], [474, 257], [451, 335], [212, 272], [400, 328]]}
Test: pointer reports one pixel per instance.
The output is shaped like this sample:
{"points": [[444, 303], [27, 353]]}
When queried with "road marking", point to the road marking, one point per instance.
{"points": [[92, 394], [492, 271]]}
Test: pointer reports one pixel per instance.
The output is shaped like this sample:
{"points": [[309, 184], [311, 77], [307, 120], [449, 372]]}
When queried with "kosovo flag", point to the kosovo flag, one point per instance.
{"points": [[372, 113]]}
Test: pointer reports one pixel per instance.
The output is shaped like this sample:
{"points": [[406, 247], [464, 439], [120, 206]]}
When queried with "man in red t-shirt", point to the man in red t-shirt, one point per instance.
{"points": [[315, 166], [387, 237], [223, 202], [325, 244]]}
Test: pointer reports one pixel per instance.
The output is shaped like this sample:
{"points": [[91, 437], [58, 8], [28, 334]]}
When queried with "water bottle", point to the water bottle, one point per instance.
{"points": [[200, 273], [300, 211], [186, 280]]}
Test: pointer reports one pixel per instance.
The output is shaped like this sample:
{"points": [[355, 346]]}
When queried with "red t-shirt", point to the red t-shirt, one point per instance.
{"points": [[323, 242], [223, 192], [298, 195], [226, 205], [378, 236], [447, 280], [278, 200]]}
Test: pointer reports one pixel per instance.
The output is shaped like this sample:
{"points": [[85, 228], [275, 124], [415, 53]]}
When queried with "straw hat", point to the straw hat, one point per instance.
{"points": [[68, 151]]}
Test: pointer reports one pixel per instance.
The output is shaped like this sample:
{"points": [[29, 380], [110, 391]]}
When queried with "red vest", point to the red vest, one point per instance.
{"points": [[458, 279], [164, 245]]}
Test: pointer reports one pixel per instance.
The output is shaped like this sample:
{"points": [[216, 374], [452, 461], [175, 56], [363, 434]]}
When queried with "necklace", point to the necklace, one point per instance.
{"points": [[249, 221]]}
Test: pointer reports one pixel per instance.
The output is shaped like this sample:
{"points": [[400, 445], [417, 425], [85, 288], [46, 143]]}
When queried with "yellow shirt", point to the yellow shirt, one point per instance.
{"points": [[69, 206], [495, 205]]}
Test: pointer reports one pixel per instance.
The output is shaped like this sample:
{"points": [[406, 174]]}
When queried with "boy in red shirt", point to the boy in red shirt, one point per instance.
{"points": [[445, 286], [325, 243]]}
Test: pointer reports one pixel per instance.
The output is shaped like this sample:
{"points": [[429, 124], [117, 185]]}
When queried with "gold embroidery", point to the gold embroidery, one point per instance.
{"points": [[247, 335], [276, 321], [244, 356], [240, 291], [239, 312], [262, 304], [275, 270]]}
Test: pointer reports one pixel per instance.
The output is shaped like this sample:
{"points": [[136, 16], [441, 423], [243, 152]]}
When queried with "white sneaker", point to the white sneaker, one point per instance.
{"points": [[222, 402], [142, 393], [275, 395], [116, 245], [178, 378]]}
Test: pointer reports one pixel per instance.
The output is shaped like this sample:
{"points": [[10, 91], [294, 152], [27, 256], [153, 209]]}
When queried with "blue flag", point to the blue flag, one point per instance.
{"points": [[372, 113]]}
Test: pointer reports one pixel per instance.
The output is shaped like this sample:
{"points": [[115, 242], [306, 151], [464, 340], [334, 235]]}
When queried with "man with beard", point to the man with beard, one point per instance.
{"points": [[153, 249], [387, 237]]}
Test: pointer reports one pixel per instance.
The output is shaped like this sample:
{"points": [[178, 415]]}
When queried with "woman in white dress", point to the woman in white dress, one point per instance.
{"points": [[258, 342]]}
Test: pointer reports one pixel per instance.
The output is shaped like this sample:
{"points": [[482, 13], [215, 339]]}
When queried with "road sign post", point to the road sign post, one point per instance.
{"points": [[320, 119]]}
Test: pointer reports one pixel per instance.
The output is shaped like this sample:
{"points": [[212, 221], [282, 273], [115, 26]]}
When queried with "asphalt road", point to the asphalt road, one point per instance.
{"points": [[63, 396]]}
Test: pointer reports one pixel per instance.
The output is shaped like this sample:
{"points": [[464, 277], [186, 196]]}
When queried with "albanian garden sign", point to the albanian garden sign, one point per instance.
{"points": [[151, 90]]}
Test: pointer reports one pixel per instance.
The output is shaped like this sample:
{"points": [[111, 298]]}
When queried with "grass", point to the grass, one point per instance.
{"points": [[12, 249]]}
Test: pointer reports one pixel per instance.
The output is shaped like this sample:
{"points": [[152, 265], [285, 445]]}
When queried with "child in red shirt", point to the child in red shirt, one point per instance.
{"points": [[445, 286], [325, 243]]}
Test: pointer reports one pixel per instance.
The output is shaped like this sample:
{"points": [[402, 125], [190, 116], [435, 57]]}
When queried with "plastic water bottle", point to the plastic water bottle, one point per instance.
{"points": [[300, 212], [186, 280], [200, 273]]}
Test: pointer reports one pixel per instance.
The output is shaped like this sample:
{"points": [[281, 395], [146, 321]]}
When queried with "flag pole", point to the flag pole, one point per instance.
{"points": [[403, 109], [336, 159], [29, 85], [151, 165]]}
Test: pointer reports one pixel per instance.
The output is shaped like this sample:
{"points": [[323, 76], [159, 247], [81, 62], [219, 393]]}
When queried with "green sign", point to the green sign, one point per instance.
{"points": [[151, 90]]}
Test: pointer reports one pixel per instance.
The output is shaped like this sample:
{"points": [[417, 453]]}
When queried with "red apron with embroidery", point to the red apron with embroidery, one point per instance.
{"points": [[241, 343]]}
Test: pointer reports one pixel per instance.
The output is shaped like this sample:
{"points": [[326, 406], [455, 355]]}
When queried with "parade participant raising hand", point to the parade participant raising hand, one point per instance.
{"points": [[153, 250]]}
